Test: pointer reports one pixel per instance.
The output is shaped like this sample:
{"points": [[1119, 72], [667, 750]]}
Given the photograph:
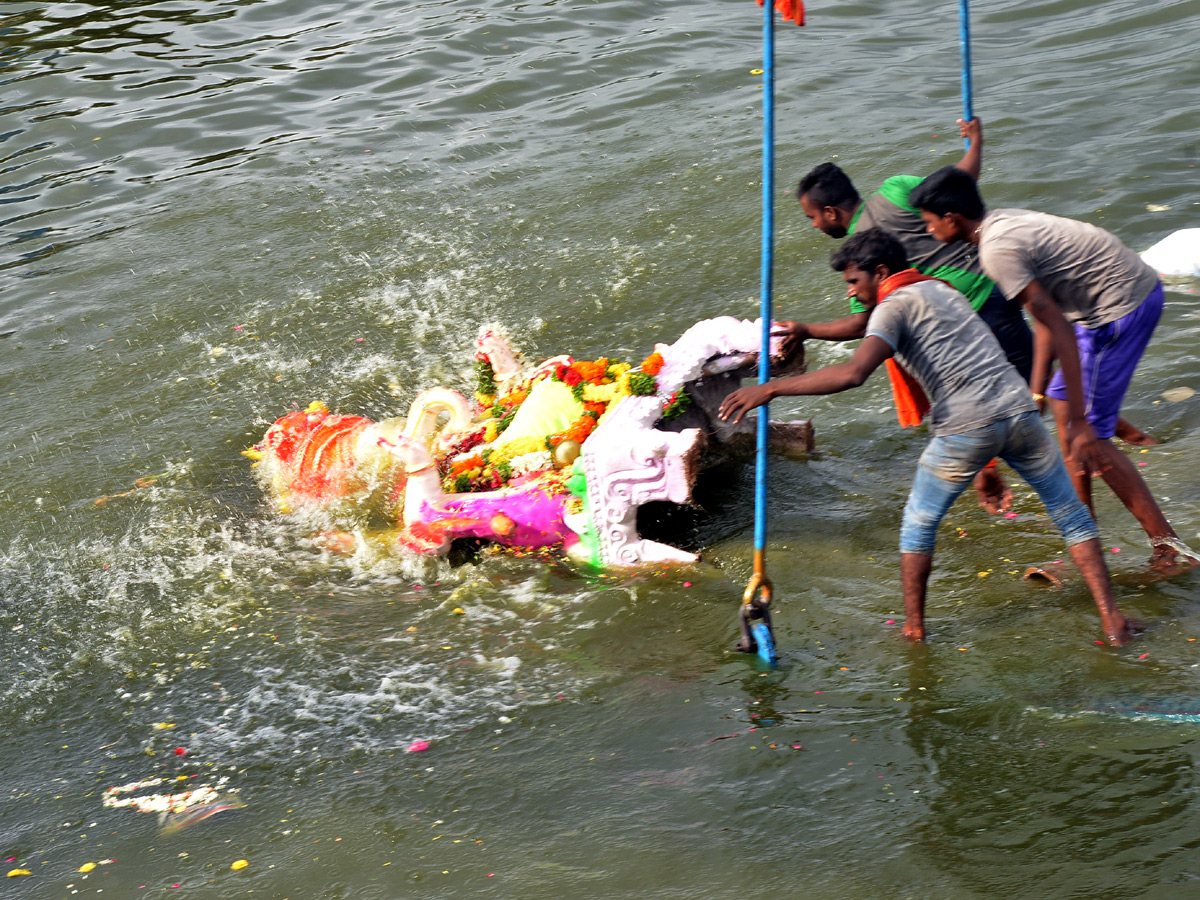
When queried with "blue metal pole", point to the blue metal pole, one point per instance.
{"points": [[768, 249], [755, 616], [964, 41]]}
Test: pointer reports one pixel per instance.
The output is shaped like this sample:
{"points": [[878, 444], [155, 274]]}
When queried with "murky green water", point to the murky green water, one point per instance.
{"points": [[212, 213]]}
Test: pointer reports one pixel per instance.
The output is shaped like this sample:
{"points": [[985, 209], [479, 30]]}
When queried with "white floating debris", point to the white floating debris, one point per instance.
{"points": [[1179, 394], [1176, 255]]}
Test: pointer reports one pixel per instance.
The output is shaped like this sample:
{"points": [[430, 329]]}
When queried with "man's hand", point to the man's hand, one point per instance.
{"points": [[741, 401], [972, 160], [794, 335], [972, 131], [1084, 454]]}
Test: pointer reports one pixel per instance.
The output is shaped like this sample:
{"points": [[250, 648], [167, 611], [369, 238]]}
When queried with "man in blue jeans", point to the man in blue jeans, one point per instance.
{"points": [[979, 408]]}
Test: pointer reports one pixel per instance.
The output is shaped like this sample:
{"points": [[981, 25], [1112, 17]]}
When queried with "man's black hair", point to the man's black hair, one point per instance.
{"points": [[868, 249], [828, 185], [949, 190]]}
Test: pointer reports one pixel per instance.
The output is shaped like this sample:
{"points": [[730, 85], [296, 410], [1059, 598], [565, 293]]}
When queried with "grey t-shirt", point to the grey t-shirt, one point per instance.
{"points": [[1092, 276], [943, 344]]}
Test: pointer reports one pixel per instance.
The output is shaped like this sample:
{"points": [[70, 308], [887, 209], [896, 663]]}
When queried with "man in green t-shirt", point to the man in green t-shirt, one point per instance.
{"points": [[834, 207]]}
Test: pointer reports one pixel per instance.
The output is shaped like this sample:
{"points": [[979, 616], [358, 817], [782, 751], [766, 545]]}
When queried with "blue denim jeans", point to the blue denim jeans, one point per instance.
{"points": [[950, 463]]}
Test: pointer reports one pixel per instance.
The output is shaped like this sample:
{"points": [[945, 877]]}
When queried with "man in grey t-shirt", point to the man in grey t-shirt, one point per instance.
{"points": [[980, 408], [1092, 276], [955, 357], [1095, 304]]}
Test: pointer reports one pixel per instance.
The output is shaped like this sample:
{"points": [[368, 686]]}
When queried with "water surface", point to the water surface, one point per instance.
{"points": [[213, 213]]}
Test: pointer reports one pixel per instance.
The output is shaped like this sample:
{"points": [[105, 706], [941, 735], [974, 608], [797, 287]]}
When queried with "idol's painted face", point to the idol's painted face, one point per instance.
{"points": [[824, 218]]}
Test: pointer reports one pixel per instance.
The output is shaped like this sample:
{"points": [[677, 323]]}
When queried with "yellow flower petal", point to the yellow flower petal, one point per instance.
{"points": [[239, 864], [86, 867], [13, 873]]}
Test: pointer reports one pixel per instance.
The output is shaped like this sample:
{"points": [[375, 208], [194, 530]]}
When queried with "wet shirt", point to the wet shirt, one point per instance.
{"points": [[1090, 274], [953, 354], [889, 209]]}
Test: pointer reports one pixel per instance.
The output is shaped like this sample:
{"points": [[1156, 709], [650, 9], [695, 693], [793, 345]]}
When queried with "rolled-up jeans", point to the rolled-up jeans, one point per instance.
{"points": [[950, 462]]}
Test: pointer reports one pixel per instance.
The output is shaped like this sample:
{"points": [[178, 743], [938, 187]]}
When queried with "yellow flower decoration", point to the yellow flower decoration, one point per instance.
{"points": [[601, 393]]}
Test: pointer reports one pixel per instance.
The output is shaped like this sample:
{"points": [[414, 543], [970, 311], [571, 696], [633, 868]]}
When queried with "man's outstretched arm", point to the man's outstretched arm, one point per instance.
{"points": [[848, 328], [869, 356]]}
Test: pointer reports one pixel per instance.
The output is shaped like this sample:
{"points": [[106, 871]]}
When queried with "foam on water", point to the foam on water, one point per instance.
{"points": [[308, 647]]}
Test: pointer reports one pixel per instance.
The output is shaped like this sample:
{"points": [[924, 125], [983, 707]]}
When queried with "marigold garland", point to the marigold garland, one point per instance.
{"points": [[653, 363], [597, 384]]}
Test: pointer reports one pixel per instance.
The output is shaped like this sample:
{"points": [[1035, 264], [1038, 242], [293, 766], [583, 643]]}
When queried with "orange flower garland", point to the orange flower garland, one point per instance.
{"points": [[477, 472], [653, 364]]}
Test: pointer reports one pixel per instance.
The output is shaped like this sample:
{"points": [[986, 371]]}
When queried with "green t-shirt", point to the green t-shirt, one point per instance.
{"points": [[889, 209]]}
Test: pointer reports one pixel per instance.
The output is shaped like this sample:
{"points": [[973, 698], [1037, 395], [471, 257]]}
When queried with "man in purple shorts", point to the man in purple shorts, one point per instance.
{"points": [[1095, 305]]}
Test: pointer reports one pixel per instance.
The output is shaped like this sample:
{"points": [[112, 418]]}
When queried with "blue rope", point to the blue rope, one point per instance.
{"points": [[768, 240], [964, 41]]}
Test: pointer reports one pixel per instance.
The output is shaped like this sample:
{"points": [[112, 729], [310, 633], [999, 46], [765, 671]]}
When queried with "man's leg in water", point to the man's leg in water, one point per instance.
{"points": [[1089, 558], [1007, 323], [1120, 475], [1131, 434], [1108, 356], [914, 578], [945, 470], [1032, 453]]}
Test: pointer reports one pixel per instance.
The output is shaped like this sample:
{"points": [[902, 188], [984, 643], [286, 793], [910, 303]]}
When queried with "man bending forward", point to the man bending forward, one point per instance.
{"points": [[980, 409]]}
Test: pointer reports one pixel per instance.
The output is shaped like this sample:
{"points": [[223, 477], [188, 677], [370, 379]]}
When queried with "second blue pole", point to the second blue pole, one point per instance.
{"points": [[964, 43]]}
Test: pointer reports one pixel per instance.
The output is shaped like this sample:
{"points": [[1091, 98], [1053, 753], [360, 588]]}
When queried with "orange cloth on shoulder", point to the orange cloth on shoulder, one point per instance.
{"points": [[911, 403]]}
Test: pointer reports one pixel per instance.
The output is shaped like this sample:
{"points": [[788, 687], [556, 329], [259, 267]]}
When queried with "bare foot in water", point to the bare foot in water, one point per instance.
{"points": [[1131, 434], [1127, 629], [1172, 556], [994, 495]]}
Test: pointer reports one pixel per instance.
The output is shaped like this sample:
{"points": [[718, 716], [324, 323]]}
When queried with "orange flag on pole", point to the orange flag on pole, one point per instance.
{"points": [[791, 10]]}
